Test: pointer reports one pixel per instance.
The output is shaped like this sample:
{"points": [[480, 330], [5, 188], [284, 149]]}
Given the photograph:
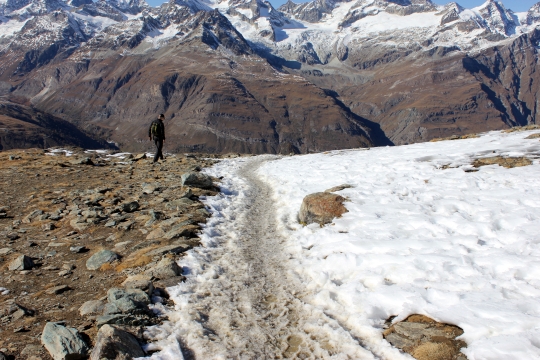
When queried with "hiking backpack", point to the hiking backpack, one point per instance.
{"points": [[155, 129]]}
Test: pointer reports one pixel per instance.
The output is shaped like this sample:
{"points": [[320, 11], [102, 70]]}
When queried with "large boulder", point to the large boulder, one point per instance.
{"points": [[128, 300], [115, 344], [23, 262], [321, 208], [63, 342], [197, 180], [100, 258]]}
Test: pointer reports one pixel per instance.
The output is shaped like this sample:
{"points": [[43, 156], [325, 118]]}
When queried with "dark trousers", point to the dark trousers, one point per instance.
{"points": [[159, 148]]}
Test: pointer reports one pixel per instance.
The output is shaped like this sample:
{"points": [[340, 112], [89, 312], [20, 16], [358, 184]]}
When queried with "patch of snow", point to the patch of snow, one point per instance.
{"points": [[460, 247], [11, 27]]}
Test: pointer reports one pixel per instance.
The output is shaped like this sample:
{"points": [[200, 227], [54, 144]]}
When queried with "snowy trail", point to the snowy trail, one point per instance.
{"points": [[246, 303]]}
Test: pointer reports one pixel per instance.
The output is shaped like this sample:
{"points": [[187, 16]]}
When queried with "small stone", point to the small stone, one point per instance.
{"points": [[100, 258], [23, 262], [78, 249], [139, 281], [113, 343], [48, 227], [34, 214], [79, 224], [170, 249], [57, 289], [13, 236], [64, 273], [5, 251], [110, 223], [181, 230], [130, 206], [63, 342], [338, 188], [196, 179], [68, 267], [51, 268], [164, 269]]}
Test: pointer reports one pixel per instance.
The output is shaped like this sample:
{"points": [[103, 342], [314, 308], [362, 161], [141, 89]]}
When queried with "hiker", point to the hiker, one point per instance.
{"points": [[157, 131]]}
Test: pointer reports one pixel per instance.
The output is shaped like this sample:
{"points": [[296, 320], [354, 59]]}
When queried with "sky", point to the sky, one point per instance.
{"points": [[516, 5]]}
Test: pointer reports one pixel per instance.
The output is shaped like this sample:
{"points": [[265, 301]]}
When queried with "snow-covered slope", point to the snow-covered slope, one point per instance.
{"points": [[426, 233]]}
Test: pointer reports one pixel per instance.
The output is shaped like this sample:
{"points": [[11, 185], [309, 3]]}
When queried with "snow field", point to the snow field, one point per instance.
{"points": [[460, 247]]}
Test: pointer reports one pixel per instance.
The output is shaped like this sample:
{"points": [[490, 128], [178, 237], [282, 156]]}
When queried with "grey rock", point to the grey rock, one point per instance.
{"points": [[157, 215], [83, 161], [91, 307], [150, 188], [115, 344], [198, 180], [130, 206], [141, 282], [23, 262], [170, 249], [79, 224], [164, 285], [111, 309], [34, 214], [180, 204], [3, 356], [166, 268], [100, 258], [183, 229], [63, 342], [5, 251], [121, 319], [31, 349], [399, 341], [126, 225], [128, 300], [77, 249], [110, 223], [339, 188], [58, 289]]}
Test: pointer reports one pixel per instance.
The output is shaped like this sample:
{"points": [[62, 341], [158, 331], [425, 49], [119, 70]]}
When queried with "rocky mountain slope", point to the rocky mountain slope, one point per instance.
{"points": [[25, 127], [243, 76], [90, 239]]}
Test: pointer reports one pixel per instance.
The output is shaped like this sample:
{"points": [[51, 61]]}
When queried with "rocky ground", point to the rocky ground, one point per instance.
{"points": [[90, 240]]}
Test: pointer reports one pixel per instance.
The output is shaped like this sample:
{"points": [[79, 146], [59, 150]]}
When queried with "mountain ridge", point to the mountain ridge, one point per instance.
{"points": [[335, 48]]}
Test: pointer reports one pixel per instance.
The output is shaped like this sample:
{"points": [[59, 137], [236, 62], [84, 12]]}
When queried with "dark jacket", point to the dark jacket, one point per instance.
{"points": [[160, 133]]}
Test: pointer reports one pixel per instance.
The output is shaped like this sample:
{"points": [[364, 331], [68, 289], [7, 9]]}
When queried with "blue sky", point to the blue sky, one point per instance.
{"points": [[516, 5]]}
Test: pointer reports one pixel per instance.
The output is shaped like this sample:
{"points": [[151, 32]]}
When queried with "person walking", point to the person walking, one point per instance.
{"points": [[157, 132]]}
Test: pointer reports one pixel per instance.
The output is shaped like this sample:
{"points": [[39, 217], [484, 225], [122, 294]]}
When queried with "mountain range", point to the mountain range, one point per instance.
{"points": [[243, 76]]}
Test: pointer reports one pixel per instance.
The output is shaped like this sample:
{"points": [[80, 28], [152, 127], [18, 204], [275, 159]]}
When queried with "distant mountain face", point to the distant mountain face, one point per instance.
{"points": [[24, 127], [239, 75]]}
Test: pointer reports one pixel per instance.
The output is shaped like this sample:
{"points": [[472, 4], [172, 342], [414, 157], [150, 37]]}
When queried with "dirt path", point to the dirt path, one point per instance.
{"points": [[250, 304]]}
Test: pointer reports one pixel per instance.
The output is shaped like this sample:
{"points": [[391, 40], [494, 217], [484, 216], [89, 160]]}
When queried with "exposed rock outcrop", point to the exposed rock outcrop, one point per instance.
{"points": [[321, 208]]}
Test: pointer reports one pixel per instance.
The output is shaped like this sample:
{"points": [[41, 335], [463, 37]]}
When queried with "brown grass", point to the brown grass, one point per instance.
{"points": [[508, 163], [138, 258], [522, 128], [533, 136], [420, 319], [456, 137], [434, 351]]}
